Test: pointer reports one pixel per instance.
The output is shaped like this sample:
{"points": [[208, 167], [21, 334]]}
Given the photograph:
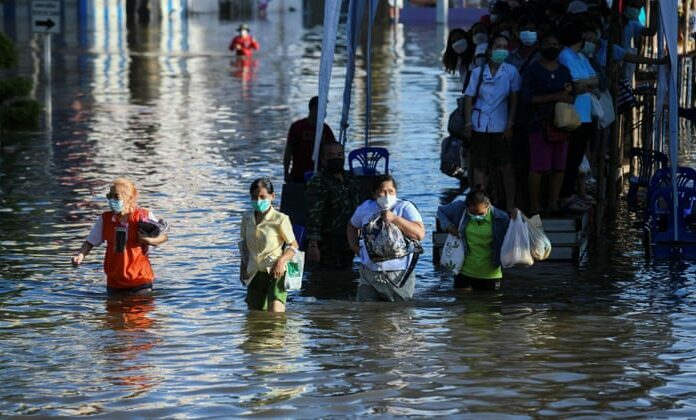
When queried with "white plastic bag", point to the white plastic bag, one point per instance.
{"points": [[596, 107], [515, 249], [539, 243], [585, 167], [452, 257], [608, 114], [294, 269]]}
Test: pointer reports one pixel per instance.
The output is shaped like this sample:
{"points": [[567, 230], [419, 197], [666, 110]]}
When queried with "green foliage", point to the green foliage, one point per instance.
{"points": [[23, 114], [14, 87], [8, 52]]}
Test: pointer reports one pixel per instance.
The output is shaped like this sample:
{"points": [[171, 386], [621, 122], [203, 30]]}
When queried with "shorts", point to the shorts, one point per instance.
{"points": [[545, 156], [489, 150], [465, 282], [383, 286], [143, 289], [264, 289]]}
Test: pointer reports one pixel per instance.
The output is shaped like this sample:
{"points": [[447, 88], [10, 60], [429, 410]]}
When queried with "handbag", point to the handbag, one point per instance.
{"points": [[565, 117]]}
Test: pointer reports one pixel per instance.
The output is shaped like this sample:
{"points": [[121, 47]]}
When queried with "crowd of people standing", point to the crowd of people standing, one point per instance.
{"points": [[515, 65]]}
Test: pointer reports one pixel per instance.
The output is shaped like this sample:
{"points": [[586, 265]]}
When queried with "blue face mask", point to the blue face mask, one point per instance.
{"points": [[116, 205], [528, 38], [478, 217], [261, 206], [499, 56], [589, 48]]}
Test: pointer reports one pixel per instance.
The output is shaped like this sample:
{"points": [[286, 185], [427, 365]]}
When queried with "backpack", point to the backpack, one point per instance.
{"points": [[450, 157]]}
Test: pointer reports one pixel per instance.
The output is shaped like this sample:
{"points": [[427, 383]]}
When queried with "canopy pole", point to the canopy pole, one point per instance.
{"points": [[368, 99]]}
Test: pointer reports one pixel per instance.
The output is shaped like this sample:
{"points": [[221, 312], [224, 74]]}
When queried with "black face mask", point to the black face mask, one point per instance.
{"points": [[334, 166], [550, 53]]}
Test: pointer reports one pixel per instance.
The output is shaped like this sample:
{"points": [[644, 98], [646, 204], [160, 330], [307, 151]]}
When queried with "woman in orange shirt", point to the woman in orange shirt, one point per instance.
{"points": [[126, 261]]}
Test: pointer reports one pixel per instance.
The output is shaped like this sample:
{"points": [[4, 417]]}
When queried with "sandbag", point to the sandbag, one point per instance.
{"points": [[515, 250], [294, 269], [539, 243], [453, 255]]}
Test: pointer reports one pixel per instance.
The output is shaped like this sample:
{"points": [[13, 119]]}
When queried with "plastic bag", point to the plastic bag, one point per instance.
{"points": [[294, 269], [584, 167], [515, 249], [452, 257], [539, 243], [608, 114], [385, 241], [566, 117]]}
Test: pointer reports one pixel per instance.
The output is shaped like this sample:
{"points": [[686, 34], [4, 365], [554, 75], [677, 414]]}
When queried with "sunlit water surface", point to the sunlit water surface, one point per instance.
{"points": [[615, 337]]}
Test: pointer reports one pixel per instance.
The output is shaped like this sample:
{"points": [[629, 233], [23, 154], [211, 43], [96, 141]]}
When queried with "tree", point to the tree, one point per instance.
{"points": [[17, 110]]}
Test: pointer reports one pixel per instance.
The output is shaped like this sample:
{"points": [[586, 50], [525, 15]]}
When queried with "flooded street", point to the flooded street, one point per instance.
{"points": [[167, 107]]}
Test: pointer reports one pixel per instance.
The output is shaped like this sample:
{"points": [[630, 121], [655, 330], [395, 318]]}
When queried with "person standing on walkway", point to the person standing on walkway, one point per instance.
{"points": [[491, 104]]}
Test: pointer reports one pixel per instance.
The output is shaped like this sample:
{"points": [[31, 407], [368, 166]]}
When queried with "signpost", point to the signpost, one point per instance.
{"points": [[45, 19]]}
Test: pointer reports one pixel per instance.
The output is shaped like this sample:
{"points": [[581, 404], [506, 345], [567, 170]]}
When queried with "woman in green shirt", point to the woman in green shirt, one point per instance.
{"points": [[482, 228]]}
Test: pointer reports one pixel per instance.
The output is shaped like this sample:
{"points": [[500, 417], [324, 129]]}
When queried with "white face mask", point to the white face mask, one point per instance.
{"points": [[386, 202], [460, 46], [480, 38]]}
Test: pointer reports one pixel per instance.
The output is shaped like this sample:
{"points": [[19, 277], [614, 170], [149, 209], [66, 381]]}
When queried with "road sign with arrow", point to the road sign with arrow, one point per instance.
{"points": [[45, 16]]}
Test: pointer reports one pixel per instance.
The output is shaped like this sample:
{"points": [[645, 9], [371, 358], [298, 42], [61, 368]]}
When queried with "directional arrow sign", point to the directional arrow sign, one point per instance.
{"points": [[45, 16]]}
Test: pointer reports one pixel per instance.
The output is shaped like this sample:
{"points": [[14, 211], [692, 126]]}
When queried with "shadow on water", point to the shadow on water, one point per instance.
{"points": [[165, 105]]}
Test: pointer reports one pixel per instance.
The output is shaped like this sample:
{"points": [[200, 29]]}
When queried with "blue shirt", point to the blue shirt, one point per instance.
{"points": [[618, 53], [581, 69], [490, 110]]}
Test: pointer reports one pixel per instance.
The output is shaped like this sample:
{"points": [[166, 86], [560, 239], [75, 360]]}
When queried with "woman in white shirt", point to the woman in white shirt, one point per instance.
{"points": [[390, 280]]}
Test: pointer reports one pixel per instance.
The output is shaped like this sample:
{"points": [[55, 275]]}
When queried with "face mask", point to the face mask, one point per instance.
{"points": [[550, 53], [505, 34], [528, 38], [386, 202], [632, 13], [243, 33], [495, 18], [334, 166], [480, 60], [589, 48], [478, 217], [460, 46], [116, 205], [480, 38], [499, 56], [261, 206]]}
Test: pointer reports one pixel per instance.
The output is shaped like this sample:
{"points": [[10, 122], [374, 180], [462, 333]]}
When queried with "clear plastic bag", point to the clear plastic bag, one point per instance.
{"points": [[294, 269], [515, 250], [452, 257], [539, 243], [385, 241]]}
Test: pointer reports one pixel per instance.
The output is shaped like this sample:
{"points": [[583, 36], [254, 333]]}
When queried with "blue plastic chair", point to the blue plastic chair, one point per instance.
{"points": [[368, 158], [686, 178], [649, 161], [308, 175], [661, 220]]}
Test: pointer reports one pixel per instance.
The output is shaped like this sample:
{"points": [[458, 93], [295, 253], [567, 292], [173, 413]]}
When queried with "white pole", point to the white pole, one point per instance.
{"points": [[47, 56], [441, 17]]}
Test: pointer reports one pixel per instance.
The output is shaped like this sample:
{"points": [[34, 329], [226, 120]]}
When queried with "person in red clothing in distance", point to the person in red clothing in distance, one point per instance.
{"points": [[243, 44]]}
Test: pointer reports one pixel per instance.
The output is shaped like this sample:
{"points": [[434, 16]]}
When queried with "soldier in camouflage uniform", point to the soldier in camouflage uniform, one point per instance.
{"points": [[332, 197]]}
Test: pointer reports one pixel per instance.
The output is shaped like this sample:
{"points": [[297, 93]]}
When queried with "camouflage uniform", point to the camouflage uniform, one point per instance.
{"points": [[331, 203]]}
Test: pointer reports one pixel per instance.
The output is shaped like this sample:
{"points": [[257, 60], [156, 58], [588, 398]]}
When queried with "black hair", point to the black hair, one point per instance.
{"points": [[492, 40], [326, 144], [477, 196], [449, 57], [314, 102], [570, 34], [381, 179], [526, 20], [261, 183], [547, 35]]}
